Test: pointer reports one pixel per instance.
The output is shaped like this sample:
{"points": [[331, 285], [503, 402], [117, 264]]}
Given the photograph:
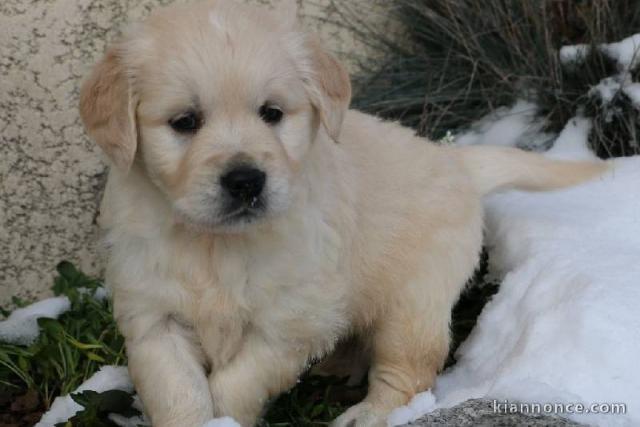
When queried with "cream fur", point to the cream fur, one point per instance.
{"points": [[371, 231]]}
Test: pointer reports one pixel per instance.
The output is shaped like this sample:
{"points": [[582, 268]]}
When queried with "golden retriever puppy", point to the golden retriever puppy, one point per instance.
{"points": [[254, 221]]}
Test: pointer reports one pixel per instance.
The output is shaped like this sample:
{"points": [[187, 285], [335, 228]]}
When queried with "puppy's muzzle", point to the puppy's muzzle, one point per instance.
{"points": [[244, 183]]}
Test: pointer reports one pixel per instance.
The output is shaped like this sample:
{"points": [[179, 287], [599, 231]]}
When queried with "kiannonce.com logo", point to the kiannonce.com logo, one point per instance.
{"points": [[507, 407]]}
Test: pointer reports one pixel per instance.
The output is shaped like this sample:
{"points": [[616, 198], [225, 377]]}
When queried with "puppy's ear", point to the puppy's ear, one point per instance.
{"points": [[107, 109], [328, 86]]}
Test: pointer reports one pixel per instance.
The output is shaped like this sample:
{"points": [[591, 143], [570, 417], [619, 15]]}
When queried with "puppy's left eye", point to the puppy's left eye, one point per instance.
{"points": [[271, 114], [188, 122]]}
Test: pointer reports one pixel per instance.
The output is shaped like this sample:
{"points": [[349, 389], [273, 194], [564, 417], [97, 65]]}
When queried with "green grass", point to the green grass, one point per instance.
{"points": [[69, 349], [315, 401]]}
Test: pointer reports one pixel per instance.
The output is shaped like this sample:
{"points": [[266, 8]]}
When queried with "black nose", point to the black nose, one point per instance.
{"points": [[244, 182]]}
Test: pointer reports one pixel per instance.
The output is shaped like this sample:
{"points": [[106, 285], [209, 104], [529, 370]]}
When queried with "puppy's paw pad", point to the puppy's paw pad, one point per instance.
{"points": [[361, 415]]}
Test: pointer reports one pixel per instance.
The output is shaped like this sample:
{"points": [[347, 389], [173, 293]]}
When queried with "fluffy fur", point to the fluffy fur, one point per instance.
{"points": [[368, 231]]}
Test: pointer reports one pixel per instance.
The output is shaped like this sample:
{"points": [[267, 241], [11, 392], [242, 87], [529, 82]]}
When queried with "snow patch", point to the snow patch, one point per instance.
{"points": [[564, 326], [626, 52], [633, 93], [107, 378], [574, 54], [571, 144], [610, 87], [517, 125], [21, 327], [99, 294], [222, 422], [607, 89], [627, 55]]}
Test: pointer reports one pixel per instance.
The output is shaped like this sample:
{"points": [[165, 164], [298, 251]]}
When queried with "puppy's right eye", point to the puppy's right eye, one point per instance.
{"points": [[189, 122], [271, 114]]}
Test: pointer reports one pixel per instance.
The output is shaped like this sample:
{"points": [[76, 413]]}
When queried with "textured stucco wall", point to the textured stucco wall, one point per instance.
{"points": [[51, 175]]}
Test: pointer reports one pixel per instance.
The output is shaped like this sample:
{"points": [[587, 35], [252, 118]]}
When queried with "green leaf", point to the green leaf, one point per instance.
{"points": [[97, 407], [67, 270], [84, 398], [95, 357], [117, 402], [317, 411], [52, 327], [60, 286], [82, 346], [23, 364]]}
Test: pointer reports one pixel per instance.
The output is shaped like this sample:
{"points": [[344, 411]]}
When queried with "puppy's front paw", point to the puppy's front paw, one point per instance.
{"points": [[361, 415]]}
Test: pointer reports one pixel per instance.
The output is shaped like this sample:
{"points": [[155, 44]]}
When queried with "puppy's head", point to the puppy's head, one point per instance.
{"points": [[219, 104]]}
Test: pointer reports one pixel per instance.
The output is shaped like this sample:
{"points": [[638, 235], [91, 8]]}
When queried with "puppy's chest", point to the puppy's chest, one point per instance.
{"points": [[282, 280], [291, 286]]}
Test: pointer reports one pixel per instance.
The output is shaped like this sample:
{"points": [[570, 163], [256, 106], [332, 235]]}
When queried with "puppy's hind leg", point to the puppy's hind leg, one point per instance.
{"points": [[410, 344], [406, 360]]}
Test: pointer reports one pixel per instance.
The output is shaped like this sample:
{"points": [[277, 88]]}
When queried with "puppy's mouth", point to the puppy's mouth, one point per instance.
{"points": [[232, 216], [246, 210]]}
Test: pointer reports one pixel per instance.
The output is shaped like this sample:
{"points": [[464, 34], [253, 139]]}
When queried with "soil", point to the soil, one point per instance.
{"points": [[20, 410]]}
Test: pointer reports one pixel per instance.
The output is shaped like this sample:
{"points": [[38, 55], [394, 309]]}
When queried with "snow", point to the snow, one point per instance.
{"points": [[99, 294], [107, 378], [626, 52], [506, 126], [571, 144], [569, 299], [633, 92], [563, 327], [21, 327], [627, 55], [222, 422], [607, 89], [574, 54]]}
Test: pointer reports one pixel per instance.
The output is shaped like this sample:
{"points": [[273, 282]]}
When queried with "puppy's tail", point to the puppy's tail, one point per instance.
{"points": [[499, 168]]}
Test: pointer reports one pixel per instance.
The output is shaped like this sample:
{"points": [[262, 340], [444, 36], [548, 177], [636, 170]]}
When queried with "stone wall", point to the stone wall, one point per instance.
{"points": [[51, 175]]}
